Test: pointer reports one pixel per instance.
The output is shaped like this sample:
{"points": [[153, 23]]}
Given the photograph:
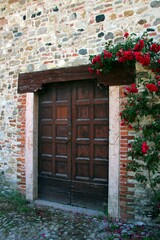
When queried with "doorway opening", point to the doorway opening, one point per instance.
{"points": [[73, 145]]}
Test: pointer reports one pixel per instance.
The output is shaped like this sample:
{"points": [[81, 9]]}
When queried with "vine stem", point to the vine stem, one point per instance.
{"points": [[150, 181]]}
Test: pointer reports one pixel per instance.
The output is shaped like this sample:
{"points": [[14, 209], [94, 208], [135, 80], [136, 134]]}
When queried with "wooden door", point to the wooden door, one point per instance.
{"points": [[73, 144]]}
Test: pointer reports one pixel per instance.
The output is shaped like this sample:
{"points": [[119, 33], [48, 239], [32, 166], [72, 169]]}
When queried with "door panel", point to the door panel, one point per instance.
{"points": [[73, 144], [90, 145], [54, 144]]}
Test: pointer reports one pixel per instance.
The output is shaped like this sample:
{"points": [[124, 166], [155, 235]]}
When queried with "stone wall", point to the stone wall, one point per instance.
{"points": [[41, 34]]}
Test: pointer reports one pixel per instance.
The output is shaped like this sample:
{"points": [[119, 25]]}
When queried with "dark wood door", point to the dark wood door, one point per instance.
{"points": [[73, 144]]}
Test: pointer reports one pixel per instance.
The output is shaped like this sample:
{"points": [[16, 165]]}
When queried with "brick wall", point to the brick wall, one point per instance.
{"points": [[126, 179], [21, 141], [40, 34]]}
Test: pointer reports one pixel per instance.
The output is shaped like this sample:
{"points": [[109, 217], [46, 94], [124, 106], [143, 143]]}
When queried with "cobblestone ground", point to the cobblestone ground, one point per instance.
{"points": [[38, 223]]}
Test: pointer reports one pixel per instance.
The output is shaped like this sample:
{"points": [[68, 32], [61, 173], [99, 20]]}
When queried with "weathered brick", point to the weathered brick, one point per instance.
{"points": [[13, 1], [3, 21]]}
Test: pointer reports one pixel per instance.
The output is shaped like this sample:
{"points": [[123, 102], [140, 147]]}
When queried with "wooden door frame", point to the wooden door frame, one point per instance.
{"points": [[30, 83], [31, 149]]}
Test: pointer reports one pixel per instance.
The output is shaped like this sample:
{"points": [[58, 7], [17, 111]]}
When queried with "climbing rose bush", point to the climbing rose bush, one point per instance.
{"points": [[142, 111], [133, 49], [142, 114]]}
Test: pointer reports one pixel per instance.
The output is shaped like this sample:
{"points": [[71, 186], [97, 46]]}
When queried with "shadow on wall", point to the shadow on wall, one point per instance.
{"points": [[1, 177], [5, 186]]}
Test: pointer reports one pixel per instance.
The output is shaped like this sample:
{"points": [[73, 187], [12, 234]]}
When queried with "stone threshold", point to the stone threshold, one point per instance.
{"points": [[69, 208]]}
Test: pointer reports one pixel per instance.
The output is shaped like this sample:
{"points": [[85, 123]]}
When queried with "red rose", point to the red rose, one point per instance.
{"points": [[129, 145], [122, 123], [98, 71], [90, 70], [125, 55], [126, 35], [151, 87], [144, 147], [155, 47], [139, 46], [107, 54], [128, 55], [130, 126], [157, 77], [132, 89], [96, 59], [144, 59]]}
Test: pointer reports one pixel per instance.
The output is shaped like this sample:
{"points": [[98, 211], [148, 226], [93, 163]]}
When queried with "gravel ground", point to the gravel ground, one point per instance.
{"points": [[46, 223]]}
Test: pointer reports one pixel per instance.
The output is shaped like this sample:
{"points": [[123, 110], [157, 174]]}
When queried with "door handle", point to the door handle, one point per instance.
{"points": [[69, 137], [68, 141]]}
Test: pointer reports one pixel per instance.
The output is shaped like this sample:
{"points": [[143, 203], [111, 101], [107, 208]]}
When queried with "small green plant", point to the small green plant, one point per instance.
{"points": [[111, 238], [106, 211], [1, 180], [13, 200], [156, 206], [125, 236]]}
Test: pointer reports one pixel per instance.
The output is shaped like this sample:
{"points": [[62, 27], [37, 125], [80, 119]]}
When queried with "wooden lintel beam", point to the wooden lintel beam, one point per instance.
{"points": [[32, 82]]}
